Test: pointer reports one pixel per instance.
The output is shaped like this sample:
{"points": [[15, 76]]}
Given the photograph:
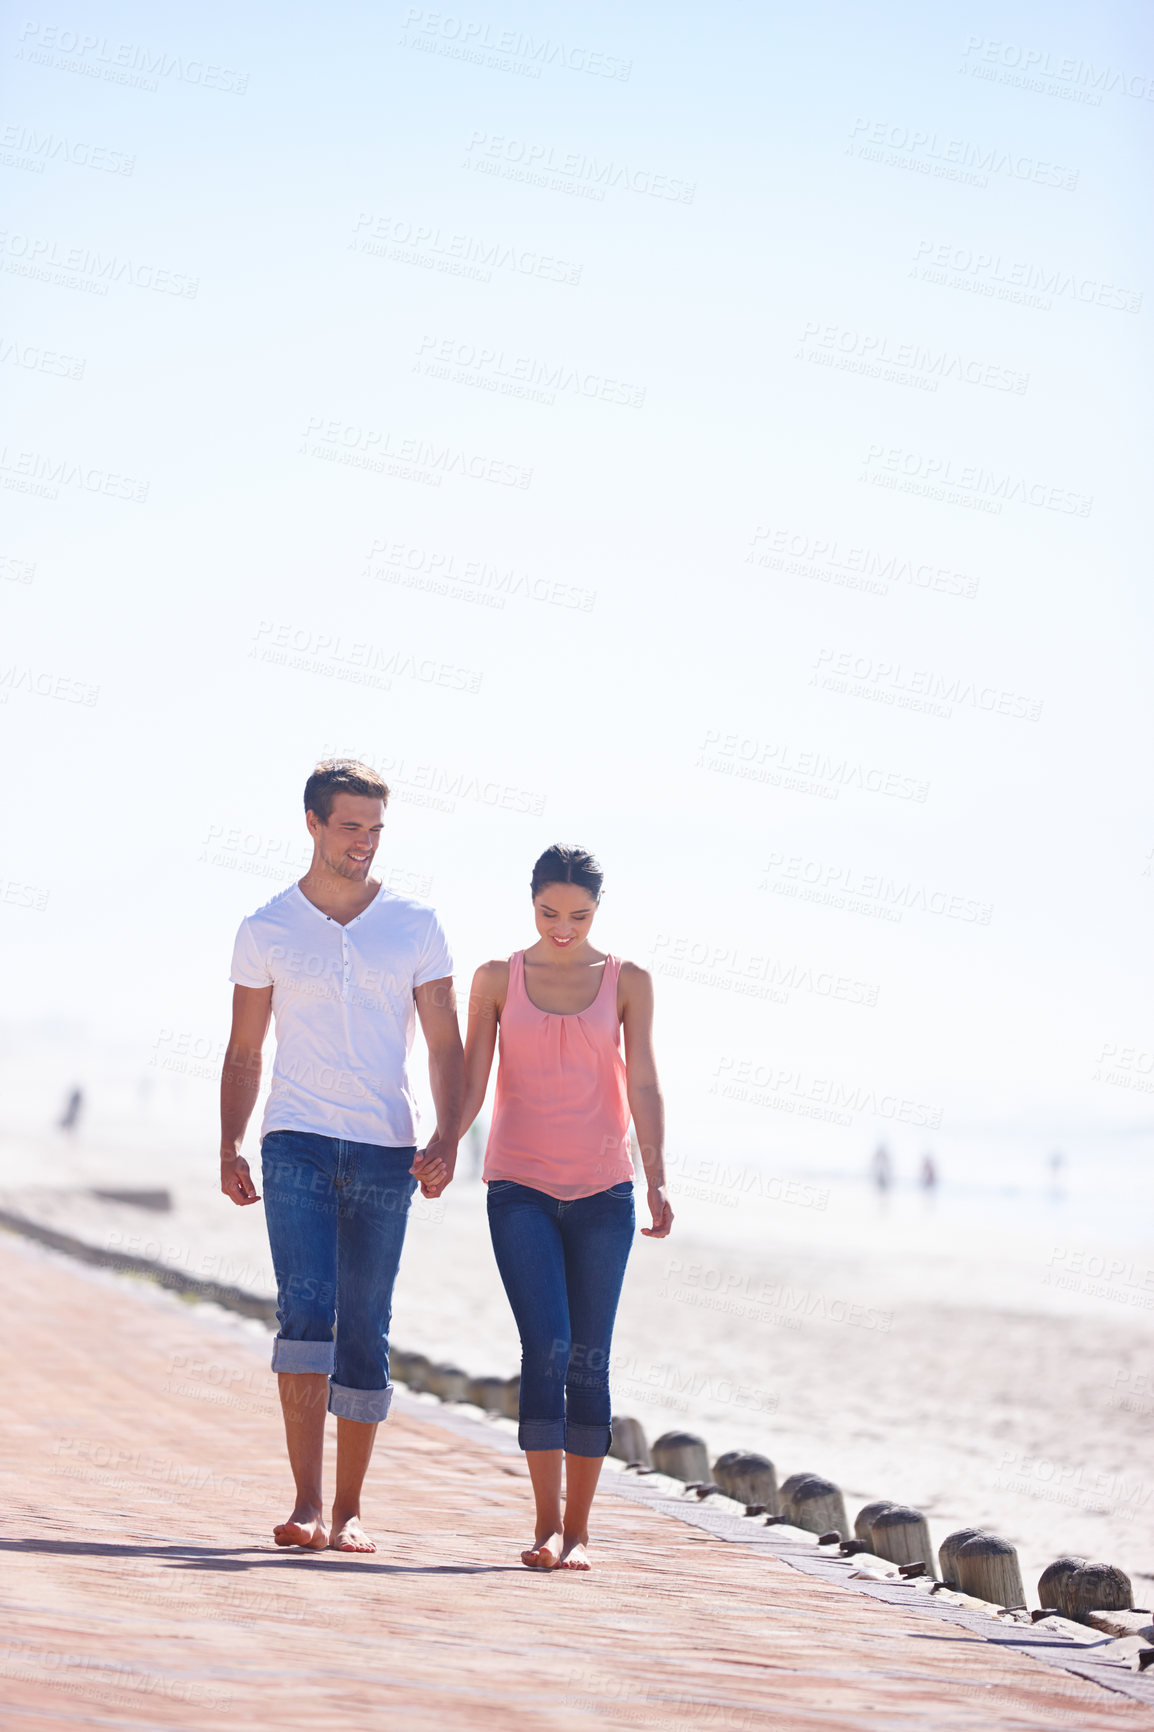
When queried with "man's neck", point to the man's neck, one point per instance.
{"points": [[340, 898]]}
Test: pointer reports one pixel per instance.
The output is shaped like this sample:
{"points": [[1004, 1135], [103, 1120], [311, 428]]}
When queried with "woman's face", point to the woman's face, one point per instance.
{"points": [[564, 914]]}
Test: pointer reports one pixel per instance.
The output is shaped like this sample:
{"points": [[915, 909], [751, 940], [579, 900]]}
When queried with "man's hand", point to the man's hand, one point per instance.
{"points": [[434, 1165], [236, 1180], [662, 1214]]}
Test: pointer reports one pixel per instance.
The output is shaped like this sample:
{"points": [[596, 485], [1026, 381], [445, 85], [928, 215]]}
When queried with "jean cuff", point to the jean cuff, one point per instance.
{"points": [[303, 1355], [587, 1439], [541, 1434], [369, 1406]]}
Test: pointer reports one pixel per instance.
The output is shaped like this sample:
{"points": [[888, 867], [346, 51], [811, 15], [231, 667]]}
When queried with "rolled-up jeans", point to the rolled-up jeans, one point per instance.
{"points": [[562, 1264], [336, 1215]]}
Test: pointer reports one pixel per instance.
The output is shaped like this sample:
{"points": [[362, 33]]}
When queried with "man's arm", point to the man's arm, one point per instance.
{"points": [[437, 1009], [240, 1085]]}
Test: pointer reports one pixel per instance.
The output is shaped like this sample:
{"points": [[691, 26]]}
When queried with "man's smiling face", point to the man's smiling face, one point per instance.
{"points": [[347, 843]]}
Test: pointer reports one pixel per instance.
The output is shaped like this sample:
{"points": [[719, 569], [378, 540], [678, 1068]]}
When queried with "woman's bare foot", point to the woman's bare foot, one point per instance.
{"points": [[305, 1528], [544, 1553], [574, 1553], [350, 1536]]}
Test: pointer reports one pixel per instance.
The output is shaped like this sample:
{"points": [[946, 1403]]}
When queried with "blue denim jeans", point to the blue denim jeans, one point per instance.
{"points": [[336, 1215], [562, 1265]]}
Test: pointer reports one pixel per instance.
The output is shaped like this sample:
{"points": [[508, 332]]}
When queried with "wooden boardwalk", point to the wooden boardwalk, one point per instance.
{"points": [[141, 1451]]}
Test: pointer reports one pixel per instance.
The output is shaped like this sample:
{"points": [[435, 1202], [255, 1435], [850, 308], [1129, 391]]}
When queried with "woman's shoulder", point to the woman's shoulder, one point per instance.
{"points": [[492, 979], [634, 978], [490, 987], [493, 973]]}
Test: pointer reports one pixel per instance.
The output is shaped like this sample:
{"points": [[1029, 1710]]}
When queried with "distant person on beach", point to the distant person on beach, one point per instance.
{"points": [[883, 1172], [73, 1107], [560, 1176], [345, 967]]}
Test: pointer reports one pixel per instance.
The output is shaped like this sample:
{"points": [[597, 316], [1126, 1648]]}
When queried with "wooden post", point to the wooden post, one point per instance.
{"points": [[987, 1567], [399, 1365], [486, 1392], [1051, 1577], [1094, 1588], [416, 1371], [867, 1514], [721, 1469], [948, 1553], [788, 1486], [808, 1501], [682, 1456], [752, 1480], [902, 1536], [629, 1441], [447, 1381], [511, 1397]]}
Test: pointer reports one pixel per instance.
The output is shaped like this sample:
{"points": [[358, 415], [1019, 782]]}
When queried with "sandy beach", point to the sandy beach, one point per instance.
{"points": [[904, 1349]]}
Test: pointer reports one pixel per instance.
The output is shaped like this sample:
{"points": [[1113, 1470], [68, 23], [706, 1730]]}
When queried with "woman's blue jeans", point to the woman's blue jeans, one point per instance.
{"points": [[336, 1214], [562, 1265]]}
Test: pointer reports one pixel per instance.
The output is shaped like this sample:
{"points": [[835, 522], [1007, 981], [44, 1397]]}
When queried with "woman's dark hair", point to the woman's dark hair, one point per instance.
{"points": [[564, 865]]}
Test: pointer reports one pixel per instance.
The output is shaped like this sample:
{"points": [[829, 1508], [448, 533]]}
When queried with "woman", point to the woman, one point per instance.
{"points": [[560, 1177]]}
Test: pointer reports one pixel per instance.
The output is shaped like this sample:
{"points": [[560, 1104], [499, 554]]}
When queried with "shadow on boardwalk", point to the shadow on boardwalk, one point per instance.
{"points": [[249, 1558]]}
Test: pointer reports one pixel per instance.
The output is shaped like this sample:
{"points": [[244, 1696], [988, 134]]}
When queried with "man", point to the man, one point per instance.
{"points": [[341, 963]]}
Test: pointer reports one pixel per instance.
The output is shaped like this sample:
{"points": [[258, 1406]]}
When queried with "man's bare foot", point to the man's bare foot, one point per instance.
{"points": [[574, 1553], [350, 1536], [544, 1553], [304, 1528]]}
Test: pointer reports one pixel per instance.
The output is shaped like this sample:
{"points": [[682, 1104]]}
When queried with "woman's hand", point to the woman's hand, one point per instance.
{"points": [[662, 1214], [433, 1167]]}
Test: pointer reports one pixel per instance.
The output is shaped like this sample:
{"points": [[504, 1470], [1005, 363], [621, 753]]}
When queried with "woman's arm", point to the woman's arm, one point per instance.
{"points": [[644, 1090], [486, 1002]]}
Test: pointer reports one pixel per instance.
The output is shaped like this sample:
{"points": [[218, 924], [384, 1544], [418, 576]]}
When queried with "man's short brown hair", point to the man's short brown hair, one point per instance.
{"points": [[341, 776]]}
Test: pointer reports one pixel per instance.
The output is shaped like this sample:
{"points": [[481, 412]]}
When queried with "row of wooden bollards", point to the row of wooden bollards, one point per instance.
{"points": [[450, 1383], [971, 1560]]}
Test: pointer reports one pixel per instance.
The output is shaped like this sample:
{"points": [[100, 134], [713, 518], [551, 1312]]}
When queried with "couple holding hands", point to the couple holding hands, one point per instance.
{"points": [[345, 967]]}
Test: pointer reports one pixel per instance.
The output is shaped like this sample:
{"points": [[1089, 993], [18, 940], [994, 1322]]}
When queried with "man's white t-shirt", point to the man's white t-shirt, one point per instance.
{"points": [[342, 1000]]}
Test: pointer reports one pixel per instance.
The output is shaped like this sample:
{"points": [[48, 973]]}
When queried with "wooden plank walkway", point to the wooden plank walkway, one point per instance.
{"points": [[141, 1454]]}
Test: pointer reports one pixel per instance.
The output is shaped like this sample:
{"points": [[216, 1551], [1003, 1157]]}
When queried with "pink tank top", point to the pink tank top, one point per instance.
{"points": [[561, 1117]]}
